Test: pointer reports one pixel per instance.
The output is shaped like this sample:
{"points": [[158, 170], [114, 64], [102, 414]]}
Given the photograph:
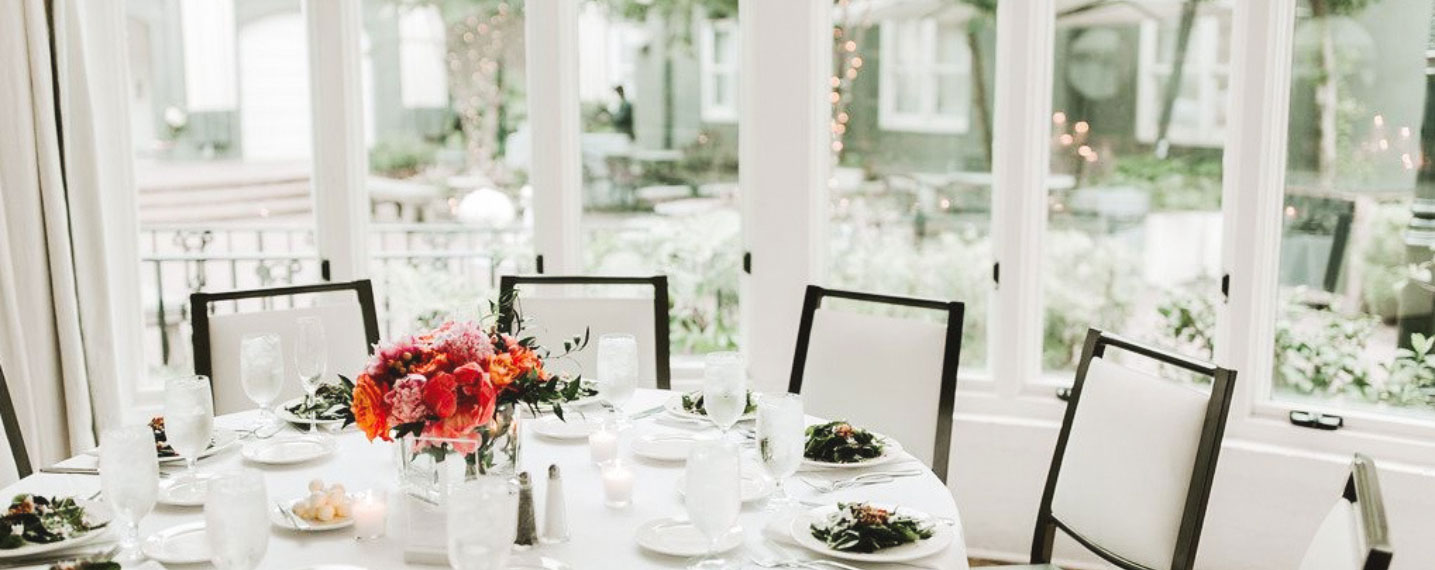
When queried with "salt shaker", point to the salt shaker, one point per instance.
{"points": [[555, 511], [527, 527]]}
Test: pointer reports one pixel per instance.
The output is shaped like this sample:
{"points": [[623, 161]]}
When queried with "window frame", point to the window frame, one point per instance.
{"points": [[1206, 68], [709, 69], [928, 71]]}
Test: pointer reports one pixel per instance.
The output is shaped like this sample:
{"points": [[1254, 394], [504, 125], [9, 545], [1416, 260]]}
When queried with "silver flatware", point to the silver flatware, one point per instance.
{"points": [[874, 478], [289, 515], [646, 413], [70, 470]]}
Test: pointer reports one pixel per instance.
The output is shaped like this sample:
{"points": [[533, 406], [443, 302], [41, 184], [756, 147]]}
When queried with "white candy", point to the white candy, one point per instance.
{"points": [[325, 513], [342, 510], [316, 485]]}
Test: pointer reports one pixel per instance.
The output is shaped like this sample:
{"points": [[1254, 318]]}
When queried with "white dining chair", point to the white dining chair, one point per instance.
{"points": [[19, 465], [1354, 535], [895, 376], [351, 328], [1134, 461], [556, 308]]}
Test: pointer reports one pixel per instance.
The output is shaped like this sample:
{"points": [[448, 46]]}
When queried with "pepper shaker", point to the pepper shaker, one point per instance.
{"points": [[555, 510], [527, 525]]}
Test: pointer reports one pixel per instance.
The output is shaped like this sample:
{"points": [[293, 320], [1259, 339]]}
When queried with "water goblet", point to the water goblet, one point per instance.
{"points": [[713, 496], [129, 477], [236, 520], [617, 371], [781, 439], [310, 358], [724, 389], [261, 371], [188, 427], [482, 523]]}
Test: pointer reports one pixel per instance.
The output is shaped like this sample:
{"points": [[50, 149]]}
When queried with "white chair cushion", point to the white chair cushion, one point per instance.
{"points": [[880, 373], [1339, 543], [343, 335], [553, 320], [1128, 462]]}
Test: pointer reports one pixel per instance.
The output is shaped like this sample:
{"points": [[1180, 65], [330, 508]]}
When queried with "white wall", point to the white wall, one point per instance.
{"points": [[1265, 506]]}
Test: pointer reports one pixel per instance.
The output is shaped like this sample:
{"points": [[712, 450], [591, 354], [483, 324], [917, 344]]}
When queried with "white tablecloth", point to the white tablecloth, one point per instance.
{"points": [[602, 538]]}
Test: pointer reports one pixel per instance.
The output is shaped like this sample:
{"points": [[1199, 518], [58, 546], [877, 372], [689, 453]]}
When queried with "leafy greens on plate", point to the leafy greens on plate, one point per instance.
{"points": [[861, 527], [693, 404], [841, 442], [331, 402], [33, 519]]}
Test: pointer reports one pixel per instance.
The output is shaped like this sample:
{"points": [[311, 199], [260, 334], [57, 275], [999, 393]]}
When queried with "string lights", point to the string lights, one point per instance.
{"points": [[479, 46], [845, 43]]}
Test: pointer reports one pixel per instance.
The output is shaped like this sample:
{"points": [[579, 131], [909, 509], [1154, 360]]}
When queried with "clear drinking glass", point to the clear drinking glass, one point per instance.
{"points": [[310, 357], [724, 388], [189, 427], [482, 523], [261, 370], [129, 477], [713, 496], [781, 438], [236, 520], [617, 370]]}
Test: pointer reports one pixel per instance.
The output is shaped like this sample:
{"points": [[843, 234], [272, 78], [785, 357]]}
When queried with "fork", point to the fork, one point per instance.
{"points": [[859, 480]]}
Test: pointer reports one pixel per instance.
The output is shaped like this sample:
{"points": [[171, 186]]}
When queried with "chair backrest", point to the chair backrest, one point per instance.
{"points": [[555, 308], [895, 376], [1354, 535], [13, 437], [351, 328], [1132, 470]]}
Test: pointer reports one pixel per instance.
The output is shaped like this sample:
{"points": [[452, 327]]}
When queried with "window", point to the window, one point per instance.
{"points": [[1133, 236], [719, 68], [1198, 114], [1354, 310], [910, 209], [925, 77]]}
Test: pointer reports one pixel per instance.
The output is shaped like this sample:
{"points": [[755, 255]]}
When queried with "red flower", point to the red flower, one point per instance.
{"points": [[439, 395]]}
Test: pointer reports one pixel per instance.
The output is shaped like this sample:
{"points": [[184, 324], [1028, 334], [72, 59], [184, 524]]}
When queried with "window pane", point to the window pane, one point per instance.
{"points": [[1356, 290], [220, 120], [911, 211], [1133, 240], [447, 133], [659, 181]]}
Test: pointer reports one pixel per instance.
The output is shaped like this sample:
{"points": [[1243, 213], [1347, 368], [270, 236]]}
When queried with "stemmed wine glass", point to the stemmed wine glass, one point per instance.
{"points": [[261, 370], [129, 477], [724, 389], [188, 427], [310, 358], [713, 496], [617, 371], [482, 524], [781, 439], [236, 520]]}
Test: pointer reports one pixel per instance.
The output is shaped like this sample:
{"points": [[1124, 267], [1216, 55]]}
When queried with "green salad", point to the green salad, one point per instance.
{"points": [[840, 442], [693, 403], [86, 565], [861, 527], [33, 519], [331, 402]]}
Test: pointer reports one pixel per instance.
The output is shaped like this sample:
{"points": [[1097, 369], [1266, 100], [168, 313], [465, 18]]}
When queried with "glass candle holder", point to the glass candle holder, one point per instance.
{"points": [[370, 510], [603, 445], [617, 484]]}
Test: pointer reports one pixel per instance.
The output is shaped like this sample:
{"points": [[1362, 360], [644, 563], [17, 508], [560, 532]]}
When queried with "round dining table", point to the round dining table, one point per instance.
{"points": [[602, 537]]}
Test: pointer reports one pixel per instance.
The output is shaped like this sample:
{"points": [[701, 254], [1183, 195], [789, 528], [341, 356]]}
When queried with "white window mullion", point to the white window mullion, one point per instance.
{"points": [[1021, 157], [341, 201], [556, 175]]}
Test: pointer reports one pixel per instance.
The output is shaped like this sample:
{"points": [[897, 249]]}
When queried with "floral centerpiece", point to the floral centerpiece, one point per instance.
{"points": [[454, 390]]}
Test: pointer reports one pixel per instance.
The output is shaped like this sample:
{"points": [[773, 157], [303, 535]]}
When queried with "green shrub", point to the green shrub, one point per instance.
{"points": [[401, 157]]}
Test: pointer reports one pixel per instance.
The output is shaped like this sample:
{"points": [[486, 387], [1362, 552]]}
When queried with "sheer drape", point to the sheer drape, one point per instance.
{"points": [[59, 256]]}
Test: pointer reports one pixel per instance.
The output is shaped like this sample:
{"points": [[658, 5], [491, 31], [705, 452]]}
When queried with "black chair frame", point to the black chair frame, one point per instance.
{"points": [[1204, 470], [199, 312], [12, 429], [508, 310], [1363, 489], [950, 359]]}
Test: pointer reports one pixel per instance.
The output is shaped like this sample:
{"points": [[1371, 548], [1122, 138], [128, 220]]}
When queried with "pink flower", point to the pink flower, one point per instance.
{"points": [[406, 400], [463, 342]]}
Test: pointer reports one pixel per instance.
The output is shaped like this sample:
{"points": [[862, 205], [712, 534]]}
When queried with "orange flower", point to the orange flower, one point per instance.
{"points": [[436, 363], [368, 407], [502, 370], [526, 359], [439, 395]]}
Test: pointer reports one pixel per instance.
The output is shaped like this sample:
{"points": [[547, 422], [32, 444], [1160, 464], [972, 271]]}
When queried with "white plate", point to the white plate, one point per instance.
{"points": [[674, 406], [754, 486], [680, 538], [288, 416], [289, 448], [664, 446], [530, 562], [97, 513], [176, 491], [221, 439], [575, 428], [891, 452], [306, 525], [183, 544], [942, 536]]}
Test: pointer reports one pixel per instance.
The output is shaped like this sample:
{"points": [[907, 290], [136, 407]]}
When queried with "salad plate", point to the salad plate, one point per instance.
{"points": [[183, 544], [663, 446], [689, 406], [220, 439], [839, 445], [50, 525], [678, 537], [290, 449], [328, 409], [860, 524], [574, 428]]}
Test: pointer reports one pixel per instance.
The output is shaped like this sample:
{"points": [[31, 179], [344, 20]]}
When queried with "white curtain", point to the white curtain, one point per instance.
{"points": [[65, 252]]}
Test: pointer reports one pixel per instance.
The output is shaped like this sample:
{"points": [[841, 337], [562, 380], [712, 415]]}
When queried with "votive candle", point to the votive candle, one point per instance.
{"points": [[603, 445], [617, 484], [370, 510]]}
